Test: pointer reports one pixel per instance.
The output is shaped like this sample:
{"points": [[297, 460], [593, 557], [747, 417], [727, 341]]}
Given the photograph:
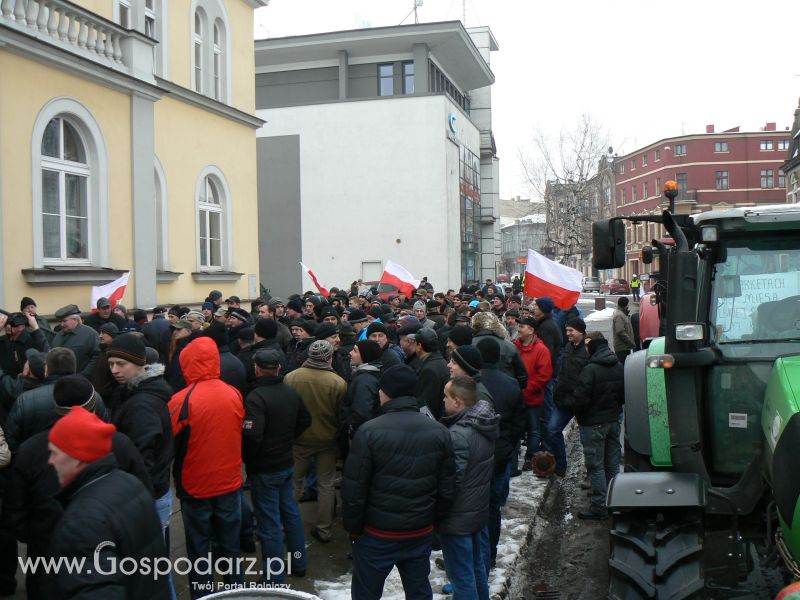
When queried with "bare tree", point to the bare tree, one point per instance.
{"points": [[562, 174]]}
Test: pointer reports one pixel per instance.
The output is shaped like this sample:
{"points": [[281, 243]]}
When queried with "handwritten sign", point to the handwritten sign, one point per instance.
{"points": [[735, 315]]}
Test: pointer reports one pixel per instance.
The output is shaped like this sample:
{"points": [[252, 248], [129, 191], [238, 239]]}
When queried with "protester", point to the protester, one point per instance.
{"points": [[433, 372], [363, 401], [622, 329], [79, 338]]}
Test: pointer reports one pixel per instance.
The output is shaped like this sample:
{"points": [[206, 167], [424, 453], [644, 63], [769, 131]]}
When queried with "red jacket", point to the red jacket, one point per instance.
{"points": [[536, 357], [210, 463]]}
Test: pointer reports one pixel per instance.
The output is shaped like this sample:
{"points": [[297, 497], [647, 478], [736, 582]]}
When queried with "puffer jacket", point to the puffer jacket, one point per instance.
{"points": [[398, 477], [140, 412], [362, 399], [208, 455], [536, 358], [573, 361], [106, 504], [600, 391], [322, 391], [474, 432]]}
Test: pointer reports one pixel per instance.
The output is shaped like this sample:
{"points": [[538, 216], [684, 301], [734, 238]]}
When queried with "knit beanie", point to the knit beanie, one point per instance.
{"points": [[545, 304], [469, 359], [370, 351], [82, 435], [325, 330], [490, 350], [460, 336], [357, 316], [377, 328], [328, 311], [308, 326], [26, 301], [577, 324], [295, 304], [398, 380], [128, 347], [266, 328], [420, 305], [375, 312], [319, 353], [73, 390]]}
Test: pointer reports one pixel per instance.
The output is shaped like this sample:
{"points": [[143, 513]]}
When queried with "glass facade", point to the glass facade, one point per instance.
{"points": [[470, 201]]}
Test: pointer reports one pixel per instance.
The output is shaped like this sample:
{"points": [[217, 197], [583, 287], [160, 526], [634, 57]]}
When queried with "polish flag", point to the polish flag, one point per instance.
{"points": [[544, 277], [114, 291], [322, 289], [399, 277]]}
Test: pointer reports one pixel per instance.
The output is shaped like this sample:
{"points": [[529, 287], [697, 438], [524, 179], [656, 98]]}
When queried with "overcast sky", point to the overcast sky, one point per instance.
{"points": [[643, 69]]}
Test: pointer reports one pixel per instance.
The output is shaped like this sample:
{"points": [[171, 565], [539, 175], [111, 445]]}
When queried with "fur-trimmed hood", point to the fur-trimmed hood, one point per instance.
{"points": [[487, 321]]}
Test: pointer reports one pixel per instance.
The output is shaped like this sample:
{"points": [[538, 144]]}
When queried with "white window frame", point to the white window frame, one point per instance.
{"points": [[680, 149], [720, 147], [198, 43], [793, 194], [783, 144], [130, 9], [226, 244], [217, 66], [213, 14], [97, 186], [765, 145]]}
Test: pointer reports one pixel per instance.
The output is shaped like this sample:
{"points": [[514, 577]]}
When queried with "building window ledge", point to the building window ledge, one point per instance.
{"points": [[68, 275], [167, 276], [216, 276]]}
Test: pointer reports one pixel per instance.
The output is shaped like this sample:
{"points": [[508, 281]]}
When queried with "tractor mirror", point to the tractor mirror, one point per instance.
{"points": [[608, 244], [729, 286]]}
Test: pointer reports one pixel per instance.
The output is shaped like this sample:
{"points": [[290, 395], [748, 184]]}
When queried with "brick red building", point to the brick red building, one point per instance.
{"points": [[713, 171]]}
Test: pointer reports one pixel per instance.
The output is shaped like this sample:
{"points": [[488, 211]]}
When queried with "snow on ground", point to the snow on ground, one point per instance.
{"points": [[600, 315], [525, 494]]}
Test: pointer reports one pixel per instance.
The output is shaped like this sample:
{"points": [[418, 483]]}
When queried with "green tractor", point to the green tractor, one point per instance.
{"points": [[707, 505]]}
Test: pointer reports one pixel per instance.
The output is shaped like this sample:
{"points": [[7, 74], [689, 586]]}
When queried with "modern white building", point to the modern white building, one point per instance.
{"points": [[377, 146]]}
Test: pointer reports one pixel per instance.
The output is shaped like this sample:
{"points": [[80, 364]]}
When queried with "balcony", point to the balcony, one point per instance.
{"points": [[80, 32]]}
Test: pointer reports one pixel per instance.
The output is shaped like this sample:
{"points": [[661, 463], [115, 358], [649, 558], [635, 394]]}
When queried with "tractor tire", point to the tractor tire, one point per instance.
{"points": [[656, 556]]}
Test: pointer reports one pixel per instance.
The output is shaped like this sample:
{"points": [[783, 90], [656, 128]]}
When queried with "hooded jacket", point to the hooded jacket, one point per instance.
{"points": [[487, 325], [536, 358], [140, 412], [600, 391], [509, 406], [574, 360], [474, 432], [433, 375], [549, 331], [207, 418], [362, 400]]}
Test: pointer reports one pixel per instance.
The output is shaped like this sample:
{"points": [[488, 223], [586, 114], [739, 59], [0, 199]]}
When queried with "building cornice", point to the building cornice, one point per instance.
{"points": [[256, 3], [722, 135], [209, 104]]}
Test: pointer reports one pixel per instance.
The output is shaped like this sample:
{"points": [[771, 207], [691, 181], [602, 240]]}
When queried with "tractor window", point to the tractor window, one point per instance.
{"points": [[756, 292]]}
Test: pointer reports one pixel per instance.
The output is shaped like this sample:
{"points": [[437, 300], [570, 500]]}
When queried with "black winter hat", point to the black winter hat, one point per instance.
{"points": [[377, 328], [295, 304], [398, 380], [267, 357], [308, 326], [26, 301], [73, 390], [247, 334], [370, 350], [577, 324], [357, 316], [328, 311], [266, 328], [468, 358], [375, 312], [36, 361], [490, 351], [545, 304], [325, 330], [128, 347], [427, 338], [17, 318], [217, 332], [460, 336]]}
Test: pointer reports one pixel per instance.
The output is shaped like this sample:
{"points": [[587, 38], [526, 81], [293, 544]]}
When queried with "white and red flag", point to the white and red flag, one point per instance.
{"points": [[322, 289], [114, 291], [544, 277], [394, 274]]}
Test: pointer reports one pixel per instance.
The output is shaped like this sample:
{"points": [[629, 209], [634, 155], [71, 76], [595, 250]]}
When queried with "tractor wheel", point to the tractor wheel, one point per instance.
{"points": [[656, 556]]}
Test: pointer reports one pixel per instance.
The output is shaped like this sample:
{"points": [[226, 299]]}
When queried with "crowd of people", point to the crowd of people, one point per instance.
{"points": [[424, 402]]}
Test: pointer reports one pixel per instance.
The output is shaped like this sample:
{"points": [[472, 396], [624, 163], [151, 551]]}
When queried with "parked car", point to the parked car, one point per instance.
{"points": [[591, 284], [615, 286]]}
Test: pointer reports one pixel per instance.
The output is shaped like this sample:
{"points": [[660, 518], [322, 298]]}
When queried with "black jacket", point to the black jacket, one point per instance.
{"points": [[95, 322], [574, 360], [140, 412], [274, 416], [399, 474], [362, 396], [30, 506], [474, 431], [299, 354], [12, 354], [433, 376], [549, 331], [106, 504], [231, 370], [510, 361], [246, 356], [600, 392], [509, 406]]}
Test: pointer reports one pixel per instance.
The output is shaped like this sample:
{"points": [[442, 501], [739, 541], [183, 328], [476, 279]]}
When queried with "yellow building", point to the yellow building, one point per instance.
{"points": [[127, 143]]}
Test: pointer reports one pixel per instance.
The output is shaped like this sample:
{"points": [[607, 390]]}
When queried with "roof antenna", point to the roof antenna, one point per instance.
{"points": [[417, 4]]}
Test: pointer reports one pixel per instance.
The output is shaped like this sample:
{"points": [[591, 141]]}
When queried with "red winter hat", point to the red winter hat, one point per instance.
{"points": [[82, 435]]}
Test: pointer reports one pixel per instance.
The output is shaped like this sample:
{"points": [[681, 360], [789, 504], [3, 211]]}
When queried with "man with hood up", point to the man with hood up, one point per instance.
{"points": [[463, 530], [486, 325], [597, 399]]}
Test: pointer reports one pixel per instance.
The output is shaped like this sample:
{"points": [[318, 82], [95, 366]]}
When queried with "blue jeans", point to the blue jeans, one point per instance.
{"points": [[497, 498], [276, 512], [218, 518], [547, 408], [602, 453], [246, 531], [164, 510], [374, 558], [465, 563], [534, 416], [556, 422]]}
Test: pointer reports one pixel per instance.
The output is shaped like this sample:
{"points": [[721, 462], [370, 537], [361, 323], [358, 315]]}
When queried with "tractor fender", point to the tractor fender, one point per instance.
{"points": [[637, 419], [656, 489]]}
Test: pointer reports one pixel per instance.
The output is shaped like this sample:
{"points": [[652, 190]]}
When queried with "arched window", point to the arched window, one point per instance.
{"points": [[213, 219], [69, 187], [198, 38], [218, 64], [211, 52]]}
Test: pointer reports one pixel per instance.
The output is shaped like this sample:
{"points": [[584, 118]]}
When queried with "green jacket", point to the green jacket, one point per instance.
{"points": [[322, 391]]}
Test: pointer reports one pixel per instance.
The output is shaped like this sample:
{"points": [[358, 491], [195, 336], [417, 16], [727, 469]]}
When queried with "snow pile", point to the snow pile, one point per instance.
{"points": [[524, 496], [600, 315]]}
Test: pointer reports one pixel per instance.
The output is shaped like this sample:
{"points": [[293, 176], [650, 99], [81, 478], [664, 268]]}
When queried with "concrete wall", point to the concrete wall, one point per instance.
{"points": [[279, 219], [296, 88], [379, 180]]}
